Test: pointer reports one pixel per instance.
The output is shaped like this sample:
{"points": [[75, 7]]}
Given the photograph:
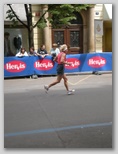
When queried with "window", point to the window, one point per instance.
{"points": [[59, 37], [74, 38]]}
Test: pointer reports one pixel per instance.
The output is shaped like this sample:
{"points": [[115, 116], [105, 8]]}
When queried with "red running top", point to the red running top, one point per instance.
{"points": [[59, 58]]}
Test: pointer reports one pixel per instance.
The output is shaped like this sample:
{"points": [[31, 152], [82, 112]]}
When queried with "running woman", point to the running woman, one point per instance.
{"points": [[61, 60]]}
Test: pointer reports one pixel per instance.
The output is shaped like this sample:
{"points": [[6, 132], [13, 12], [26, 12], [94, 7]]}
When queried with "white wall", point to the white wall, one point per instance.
{"points": [[107, 14], [18, 8]]}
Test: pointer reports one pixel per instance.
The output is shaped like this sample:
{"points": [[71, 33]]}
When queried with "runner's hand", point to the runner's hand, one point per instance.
{"points": [[69, 63]]}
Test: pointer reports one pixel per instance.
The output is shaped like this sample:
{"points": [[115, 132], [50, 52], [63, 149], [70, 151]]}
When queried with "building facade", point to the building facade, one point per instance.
{"points": [[91, 32]]}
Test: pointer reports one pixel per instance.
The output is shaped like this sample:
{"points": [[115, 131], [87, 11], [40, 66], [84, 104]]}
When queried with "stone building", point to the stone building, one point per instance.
{"points": [[91, 32]]}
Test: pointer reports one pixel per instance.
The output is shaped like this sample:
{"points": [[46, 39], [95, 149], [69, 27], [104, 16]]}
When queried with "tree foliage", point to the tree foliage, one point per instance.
{"points": [[62, 14]]}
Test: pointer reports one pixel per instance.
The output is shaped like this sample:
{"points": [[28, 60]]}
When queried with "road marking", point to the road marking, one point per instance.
{"points": [[49, 130], [79, 80]]}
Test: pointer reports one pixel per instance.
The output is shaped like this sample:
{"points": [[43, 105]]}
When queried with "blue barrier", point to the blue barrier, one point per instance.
{"points": [[26, 66]]}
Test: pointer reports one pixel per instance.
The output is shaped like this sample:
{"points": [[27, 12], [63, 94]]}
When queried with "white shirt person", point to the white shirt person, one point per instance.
{"points": [[54, 51], [22, 53]]}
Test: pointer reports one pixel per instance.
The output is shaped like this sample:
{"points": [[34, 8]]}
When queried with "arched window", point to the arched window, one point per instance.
{"points": [[78, 19]]}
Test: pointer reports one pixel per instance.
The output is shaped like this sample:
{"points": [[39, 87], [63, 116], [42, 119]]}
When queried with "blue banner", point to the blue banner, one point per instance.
{"points": [[26, 66], [14, 66], [89, 62], [44, 66]]}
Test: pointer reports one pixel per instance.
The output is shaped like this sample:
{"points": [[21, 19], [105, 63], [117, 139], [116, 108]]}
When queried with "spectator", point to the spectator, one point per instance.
{"points": [[22, 53], [7, 49], [42, 51], [32, 52], [54, 51]]}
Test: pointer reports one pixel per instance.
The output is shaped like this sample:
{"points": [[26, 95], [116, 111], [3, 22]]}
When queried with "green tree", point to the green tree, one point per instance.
{"points": [[59, 14]]}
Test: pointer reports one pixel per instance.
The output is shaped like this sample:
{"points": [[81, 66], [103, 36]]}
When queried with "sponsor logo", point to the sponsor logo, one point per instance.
{"points": [[44, 64], [15, 66], [75, 63], [97, 62]]}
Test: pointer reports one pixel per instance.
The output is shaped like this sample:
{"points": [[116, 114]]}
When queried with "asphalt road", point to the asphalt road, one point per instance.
{"points": [[34, 119]]}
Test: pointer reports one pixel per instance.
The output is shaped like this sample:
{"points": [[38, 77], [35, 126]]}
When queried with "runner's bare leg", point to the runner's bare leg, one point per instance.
{"points": [[65, 82], [59, 77]]}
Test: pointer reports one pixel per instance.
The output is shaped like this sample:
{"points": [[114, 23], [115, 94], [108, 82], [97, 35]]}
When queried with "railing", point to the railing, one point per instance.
{"points": [[27, 66]]}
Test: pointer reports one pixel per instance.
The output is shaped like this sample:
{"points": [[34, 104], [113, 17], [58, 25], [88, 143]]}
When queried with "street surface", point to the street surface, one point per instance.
{"points": [[34, 119]]}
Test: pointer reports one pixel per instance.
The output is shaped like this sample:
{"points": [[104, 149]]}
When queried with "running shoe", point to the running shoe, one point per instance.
{"points": [[46, 88], [70, 92]]}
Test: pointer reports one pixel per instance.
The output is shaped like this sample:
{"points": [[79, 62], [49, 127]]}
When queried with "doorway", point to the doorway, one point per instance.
{"points": [[71, 35]]}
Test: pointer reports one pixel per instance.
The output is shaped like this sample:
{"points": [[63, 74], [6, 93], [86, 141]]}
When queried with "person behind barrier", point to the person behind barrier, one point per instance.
{"points": [[54, 51], [61, 60], [42, 52], [7, 48], [22, 53], [32, 52]]}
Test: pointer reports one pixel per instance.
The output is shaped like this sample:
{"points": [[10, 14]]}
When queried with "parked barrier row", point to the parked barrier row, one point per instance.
{"points": [[26, 66]]}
